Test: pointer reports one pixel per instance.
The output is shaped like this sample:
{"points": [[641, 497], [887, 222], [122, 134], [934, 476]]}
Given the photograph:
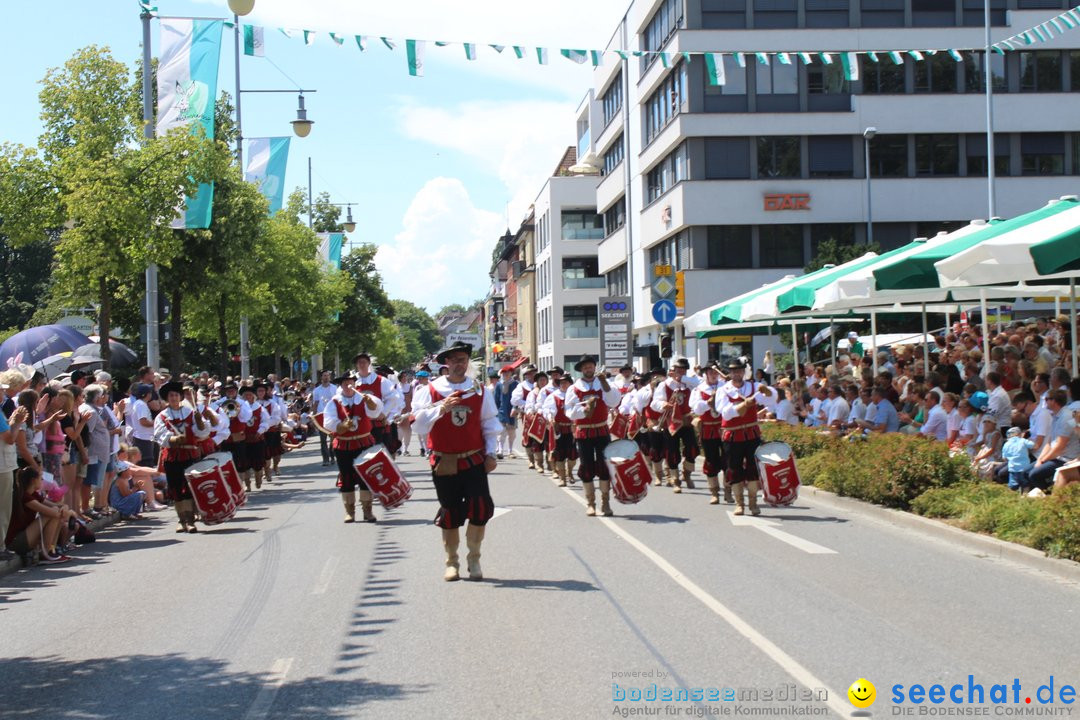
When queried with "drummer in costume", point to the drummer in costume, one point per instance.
{"points": [[370, 382], [462, 424], [236, 413], [738, 401], [672, 400], [179, 430], [214, 422], [534, 405], [349, 417], [588, 402], [517, 402], [393, 406], [562, 430], [703, 404], [651, 437], [274, 412], [254, 442], [554, 376]]}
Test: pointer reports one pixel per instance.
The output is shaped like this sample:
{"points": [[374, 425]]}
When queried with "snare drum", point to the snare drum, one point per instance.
{"points": [[778, 473], [210, 492], [379, 472], [232, 477], [629, 472]]}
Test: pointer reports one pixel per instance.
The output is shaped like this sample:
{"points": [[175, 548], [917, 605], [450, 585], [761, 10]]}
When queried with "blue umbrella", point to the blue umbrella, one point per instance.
{"points": [[38, 343]]}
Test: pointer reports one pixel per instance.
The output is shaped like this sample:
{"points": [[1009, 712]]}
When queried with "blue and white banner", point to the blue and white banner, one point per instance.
{"points": [[266, 161], [187, 88], [330, 248]]}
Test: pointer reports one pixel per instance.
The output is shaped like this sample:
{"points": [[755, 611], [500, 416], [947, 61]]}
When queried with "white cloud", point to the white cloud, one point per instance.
{"points": [[443, 253], [520, 142]]}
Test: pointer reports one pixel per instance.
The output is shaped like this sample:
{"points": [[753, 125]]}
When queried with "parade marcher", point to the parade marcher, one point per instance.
{"points": [[422, 379], [703, 404], [276, 415], [651, 436], [672, 400], [404, 423], [349, 416], [587, 405], [534, 405], [555, 375], [462, 424], [517, 402], [237, 413], [738, 401], [178, 430], [370, 382], [393, 406], [624, 381], [254, 442], [562, 430], [320, 396], [504, 392]]}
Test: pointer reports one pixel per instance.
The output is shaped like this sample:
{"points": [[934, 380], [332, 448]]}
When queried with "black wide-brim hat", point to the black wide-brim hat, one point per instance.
{"points": [[734, 364], [456, 347], [170, 387], [585, 360], [359, 355], [681, 363], [342, 378]]}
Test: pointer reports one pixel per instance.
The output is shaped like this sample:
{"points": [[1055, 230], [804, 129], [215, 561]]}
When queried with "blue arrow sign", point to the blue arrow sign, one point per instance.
{"points": [[663, 311]]}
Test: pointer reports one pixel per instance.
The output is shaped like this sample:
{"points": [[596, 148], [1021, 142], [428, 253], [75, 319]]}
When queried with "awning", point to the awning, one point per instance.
{"points": [[516, 364], [732, 310], [917, 271], [766, 305]]}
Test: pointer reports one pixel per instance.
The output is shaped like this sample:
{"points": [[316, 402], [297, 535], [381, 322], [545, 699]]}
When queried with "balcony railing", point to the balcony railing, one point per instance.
{"points": [[588, 283], [572, 333]]}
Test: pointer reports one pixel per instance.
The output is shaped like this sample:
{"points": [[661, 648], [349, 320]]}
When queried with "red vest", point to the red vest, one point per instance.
{"points": [[747, 423], [190, 449], [236, 426], [684, 399], [560, 412], [251, 430], [595, 424], [460, 430], [376, 390], [358, 437], [710, 425], [651, 414]]}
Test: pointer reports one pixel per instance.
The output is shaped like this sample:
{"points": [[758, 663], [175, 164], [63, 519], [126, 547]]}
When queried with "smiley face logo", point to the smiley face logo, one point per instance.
{"points": [[862, 693]]}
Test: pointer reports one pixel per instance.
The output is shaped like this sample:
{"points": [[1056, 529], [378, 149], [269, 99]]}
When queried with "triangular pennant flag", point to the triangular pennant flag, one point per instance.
{"points": [[339, 40], [1040, 33], [762, 58], [228, 23], [665, 59], [596, 57], [714, 68], [955, 55], [1074, 14], [497, 48], [286, 32], [1029, 37], [896, 58], [686, 56], [1056, 22], [915, 55], [309, 37], [254, 41], [519, 51], [361, 42], [414, 51], [442, 43], [470, 50], [850, 61], [1068, 19], [784, 58], [577, 56], [639, 53], [388, 42], [542, 56], [740, 59], [805, 57], [931, 52], [873, 56], [826, 58], [623, 55], [998, 50], [148, 8]]}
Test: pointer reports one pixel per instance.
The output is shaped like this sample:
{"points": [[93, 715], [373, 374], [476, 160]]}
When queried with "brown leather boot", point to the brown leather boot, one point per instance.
{"points": [[451, 539], [605, 496], [687, 471], [561, 471], [729, 497], [349, 500], [365, 505], [751, 490], [714, 490], [590, 498], [658, 473], [737, 489], [474, 535]]}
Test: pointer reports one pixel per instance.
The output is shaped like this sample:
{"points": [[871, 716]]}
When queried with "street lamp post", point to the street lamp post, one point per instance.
{"points": [[868, 135]]}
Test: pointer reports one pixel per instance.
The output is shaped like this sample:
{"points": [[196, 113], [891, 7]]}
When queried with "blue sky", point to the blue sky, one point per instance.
{"points": [[436, 164]]}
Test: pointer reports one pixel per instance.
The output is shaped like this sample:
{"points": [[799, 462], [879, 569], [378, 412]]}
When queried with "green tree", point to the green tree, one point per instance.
{"points": [[833, 252], [364, 305], [388, 346], [117, 193], [410, 316]]}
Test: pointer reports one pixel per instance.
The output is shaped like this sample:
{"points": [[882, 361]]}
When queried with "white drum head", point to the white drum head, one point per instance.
{"points": [[372, 451], [218, 458], [621, 449], [200, 467], [773, 452]]}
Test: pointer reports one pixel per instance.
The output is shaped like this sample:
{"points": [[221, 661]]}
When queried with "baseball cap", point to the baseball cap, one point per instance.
{"points": [[979, 400], [1013, 432]]}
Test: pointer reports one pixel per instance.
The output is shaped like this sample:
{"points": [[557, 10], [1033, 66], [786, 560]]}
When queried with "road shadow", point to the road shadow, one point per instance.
{"points": [[780, 515], [656, 519], [159, 687], [532, 584]]}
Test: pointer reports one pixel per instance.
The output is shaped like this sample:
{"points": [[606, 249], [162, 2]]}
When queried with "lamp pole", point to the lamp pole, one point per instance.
{"points": [[868, 135], [152, 344], [991, 202]]}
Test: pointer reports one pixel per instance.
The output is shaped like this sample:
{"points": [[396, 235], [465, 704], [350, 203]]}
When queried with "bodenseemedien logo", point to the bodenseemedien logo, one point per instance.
{"points": [[862, 693]]}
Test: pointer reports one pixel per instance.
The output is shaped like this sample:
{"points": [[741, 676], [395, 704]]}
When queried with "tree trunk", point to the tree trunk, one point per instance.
{"points": [[176, 348], [105, 321], [223, 337]]}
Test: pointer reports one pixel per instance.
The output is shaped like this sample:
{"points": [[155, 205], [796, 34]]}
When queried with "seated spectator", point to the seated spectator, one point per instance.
{"points": [[1064, 444], [936, 424], [148, 480], [1017, 455], [35, 521], [885, 419], [988, 457], [954, 421], [123, 496]]}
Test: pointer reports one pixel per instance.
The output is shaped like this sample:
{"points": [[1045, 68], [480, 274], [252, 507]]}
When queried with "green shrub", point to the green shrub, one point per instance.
{"points": [[804, 441], [1058, 532], [986, 508]]}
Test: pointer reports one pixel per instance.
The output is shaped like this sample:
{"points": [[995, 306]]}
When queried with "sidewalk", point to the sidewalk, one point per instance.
{"points": [[15, 564]]}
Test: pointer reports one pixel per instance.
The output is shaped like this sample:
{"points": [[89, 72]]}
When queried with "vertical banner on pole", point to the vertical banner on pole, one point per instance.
{"points": [[267, 159], [187, 89], [330, 248]]}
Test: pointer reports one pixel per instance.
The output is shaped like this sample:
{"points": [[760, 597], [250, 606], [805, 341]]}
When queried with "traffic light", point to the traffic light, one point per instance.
{"points": [[665, 346]]}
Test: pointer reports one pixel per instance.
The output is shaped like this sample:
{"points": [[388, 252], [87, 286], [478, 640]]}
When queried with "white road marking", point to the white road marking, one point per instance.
{"points": [[326, 576], [264, 700], [500, 511], [771, 527], [787, 663]]}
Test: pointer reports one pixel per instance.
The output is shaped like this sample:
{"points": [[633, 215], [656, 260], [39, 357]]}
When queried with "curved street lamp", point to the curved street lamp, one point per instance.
{"points": [[301, 125], [241, 7]]}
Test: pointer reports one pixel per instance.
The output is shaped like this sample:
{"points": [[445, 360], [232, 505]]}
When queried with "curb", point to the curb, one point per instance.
{"points": [[15, 564], [974, 543]]}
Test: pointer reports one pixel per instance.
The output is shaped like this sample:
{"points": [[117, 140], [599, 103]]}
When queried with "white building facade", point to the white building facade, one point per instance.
{"points": [[738, 184]]}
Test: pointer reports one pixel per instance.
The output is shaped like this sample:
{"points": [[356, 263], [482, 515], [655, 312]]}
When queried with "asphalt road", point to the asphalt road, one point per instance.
{"points": [[286, 612]]}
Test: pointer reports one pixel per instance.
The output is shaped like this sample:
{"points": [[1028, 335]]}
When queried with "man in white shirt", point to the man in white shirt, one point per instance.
{"points": [[1000, 407], [588, 404], [142, 425], [838, 409], [936, 424], [517, 403], [322, 394]]}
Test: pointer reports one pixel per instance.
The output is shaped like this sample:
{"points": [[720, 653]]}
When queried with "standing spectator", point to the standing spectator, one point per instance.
{"points": [[323, 393], [9, 463], [142, 425], [1017, 455], [1064, 444], [504, 391], [97, 450]]}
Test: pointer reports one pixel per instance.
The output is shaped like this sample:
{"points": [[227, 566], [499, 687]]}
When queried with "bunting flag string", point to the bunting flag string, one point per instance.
{"points": [[254, 44]]}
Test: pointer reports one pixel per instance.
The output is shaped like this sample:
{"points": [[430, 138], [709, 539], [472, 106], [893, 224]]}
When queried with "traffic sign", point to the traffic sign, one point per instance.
{"points": [[663, 282], [663, 311]]}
